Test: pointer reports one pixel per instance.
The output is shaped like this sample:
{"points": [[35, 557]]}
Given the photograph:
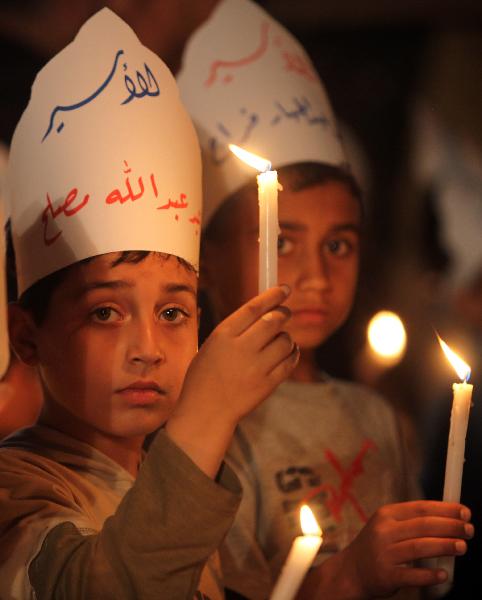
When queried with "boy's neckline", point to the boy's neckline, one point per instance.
{"points": [[44, 439], [127, 458]]}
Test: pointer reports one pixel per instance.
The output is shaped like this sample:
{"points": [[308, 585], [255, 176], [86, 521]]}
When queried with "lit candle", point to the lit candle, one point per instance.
{"points": [[268, 217], [459, 418], [300, 557]]}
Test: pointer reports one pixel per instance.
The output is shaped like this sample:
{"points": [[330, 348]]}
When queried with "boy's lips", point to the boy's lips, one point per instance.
{"points": [[142, 392]]}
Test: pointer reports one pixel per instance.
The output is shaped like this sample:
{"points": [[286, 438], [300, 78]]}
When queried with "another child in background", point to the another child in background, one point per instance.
{"points": [[108, 316], [328, 443]]}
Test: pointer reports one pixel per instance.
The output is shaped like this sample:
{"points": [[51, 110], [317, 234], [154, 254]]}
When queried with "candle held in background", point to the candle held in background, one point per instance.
{"points": [[459, 419]]}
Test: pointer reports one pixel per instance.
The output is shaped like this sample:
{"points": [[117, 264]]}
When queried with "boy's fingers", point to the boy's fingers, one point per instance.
{"points": [[253, 310], [281, 371], [267, 328], [410, 550], [424, 508], [276, 351], [433, 527], [417, 577]]}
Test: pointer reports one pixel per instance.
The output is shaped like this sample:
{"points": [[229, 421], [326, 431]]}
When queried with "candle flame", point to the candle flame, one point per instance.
{"points": [[257, 162], [387, 336], [309, 525], [461, 367]]}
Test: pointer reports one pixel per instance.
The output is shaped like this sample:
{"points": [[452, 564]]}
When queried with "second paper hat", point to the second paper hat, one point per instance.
{"points": [[246, 80]]}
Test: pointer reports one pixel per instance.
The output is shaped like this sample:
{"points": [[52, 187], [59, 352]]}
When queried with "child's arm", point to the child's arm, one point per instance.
{"points": [[155, 545], [245, 358], [378, 561]]}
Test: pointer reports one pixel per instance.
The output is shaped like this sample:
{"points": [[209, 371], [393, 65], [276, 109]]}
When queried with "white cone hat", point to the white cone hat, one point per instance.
{"points": [[104, 158], [246, 80]]}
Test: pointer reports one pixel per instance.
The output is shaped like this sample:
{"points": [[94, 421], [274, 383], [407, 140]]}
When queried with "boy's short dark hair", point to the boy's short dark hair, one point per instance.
{"points": [[36, 298], [295, 177]]}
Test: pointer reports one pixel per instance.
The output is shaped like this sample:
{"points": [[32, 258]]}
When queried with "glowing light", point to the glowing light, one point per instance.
{"points": [[309, 525], [386, 335], [257, 162], [461, 367]]}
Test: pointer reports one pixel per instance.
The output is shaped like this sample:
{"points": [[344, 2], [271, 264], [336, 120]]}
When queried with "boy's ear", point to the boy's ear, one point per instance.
{"points": [[22, 332]]}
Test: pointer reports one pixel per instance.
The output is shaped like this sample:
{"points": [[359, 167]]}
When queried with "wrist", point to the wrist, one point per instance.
{"points": [[204, 437], [338, 580]]}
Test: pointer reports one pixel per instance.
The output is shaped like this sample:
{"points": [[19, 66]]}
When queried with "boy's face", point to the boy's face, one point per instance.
{"points": [[318, 258], [116, 343]]}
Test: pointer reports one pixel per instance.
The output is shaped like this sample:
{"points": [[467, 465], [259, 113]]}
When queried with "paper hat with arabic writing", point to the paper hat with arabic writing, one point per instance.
{"points": [[105, 157], [246, 80]]}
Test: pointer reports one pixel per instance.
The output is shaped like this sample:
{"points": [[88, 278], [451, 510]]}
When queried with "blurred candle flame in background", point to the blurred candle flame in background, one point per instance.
{"points": [[387, 337]]}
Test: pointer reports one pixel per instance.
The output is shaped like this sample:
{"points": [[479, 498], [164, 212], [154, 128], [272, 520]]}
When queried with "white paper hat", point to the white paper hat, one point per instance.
{"points": [[246, 80], [104, 158]]}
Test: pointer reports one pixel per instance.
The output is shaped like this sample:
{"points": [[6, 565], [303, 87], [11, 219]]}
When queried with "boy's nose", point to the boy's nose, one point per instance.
{"points": [[314, 273], [145, 348]]}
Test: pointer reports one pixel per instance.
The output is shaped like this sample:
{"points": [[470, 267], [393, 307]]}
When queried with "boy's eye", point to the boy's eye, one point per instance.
{"points": [[285, 246], [339, 247], [105, 314], [173, 315]]}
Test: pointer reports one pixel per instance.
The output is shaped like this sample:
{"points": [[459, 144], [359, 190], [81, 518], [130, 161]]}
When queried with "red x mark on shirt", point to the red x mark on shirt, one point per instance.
{"points": [[339, 496]]}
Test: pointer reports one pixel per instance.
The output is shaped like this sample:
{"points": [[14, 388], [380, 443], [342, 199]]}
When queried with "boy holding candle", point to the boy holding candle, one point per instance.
{"points": [[328, 443], [112, 331]]}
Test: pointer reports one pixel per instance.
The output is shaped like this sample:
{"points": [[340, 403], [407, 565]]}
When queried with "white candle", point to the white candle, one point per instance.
{"points": [[268, 217], [300, 557], [459, 419], [268, 230]]}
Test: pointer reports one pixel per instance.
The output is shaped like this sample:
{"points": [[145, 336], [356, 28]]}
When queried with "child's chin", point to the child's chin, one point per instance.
{"points": [[309, 340], [142, 425]]}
